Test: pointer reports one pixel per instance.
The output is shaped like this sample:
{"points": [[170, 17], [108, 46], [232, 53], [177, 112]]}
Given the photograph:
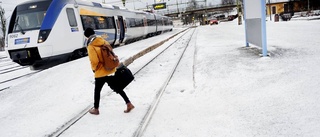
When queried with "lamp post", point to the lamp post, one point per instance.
{"points": [[177, 6], [239, 15]]}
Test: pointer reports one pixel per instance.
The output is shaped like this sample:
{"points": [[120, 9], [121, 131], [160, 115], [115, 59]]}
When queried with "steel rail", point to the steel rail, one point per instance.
{"points": [[148, 116]]}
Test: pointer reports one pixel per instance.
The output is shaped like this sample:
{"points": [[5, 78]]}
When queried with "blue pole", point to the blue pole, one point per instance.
{"points": [[245, 23], [263, 29]]}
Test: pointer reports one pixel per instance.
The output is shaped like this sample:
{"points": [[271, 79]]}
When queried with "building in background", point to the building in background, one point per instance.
{"points": [[291, 6]]}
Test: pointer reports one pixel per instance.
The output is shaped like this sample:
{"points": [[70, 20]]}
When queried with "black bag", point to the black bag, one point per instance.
{"points": [[123, 77]]}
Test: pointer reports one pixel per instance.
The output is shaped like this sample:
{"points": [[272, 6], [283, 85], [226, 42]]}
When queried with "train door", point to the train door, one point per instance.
{"points": [[163, 25], [74, 21], [125, 29], [121, 27], [145, 24]]}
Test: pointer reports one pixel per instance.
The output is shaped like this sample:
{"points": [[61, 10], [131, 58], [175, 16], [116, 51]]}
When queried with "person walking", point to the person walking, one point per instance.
{"points": [[101, 75]]}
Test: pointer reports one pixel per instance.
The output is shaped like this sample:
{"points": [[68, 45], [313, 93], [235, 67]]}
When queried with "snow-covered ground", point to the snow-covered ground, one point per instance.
{"points": [[236, 92]]}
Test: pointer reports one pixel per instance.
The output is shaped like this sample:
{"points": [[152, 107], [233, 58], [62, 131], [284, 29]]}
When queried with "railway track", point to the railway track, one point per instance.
{"points": [[6, 84], [2, 57], [12, 73], [186, 37], [10, 69], [148, 116]]}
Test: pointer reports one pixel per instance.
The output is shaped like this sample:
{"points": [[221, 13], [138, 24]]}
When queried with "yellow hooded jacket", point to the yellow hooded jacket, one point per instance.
{"points": [[96, 58]]}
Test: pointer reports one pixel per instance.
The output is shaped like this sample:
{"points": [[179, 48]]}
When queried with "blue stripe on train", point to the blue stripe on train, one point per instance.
{"points": [[53, 13]]}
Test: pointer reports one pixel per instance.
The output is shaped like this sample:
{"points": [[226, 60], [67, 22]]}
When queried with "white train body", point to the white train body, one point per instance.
{"points": [[46, 29]]}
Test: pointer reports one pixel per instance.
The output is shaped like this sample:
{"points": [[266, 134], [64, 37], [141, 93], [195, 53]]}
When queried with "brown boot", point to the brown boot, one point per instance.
{"points": [[129, 108], [94, 111]]}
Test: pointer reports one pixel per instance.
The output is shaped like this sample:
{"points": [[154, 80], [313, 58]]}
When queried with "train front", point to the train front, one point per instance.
{"points": [[24, 35]]}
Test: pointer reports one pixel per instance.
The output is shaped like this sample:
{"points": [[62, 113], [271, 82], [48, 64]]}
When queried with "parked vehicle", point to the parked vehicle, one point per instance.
{"points": [[286, 16], [213, 21], [232, 17]]}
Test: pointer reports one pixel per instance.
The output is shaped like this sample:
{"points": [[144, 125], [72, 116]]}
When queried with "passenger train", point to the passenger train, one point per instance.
{"points": [[46, 29]]}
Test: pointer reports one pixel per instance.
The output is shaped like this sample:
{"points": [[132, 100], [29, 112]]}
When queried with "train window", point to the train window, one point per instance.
{"points": [[110, 22], [166, 23], [145, 23], [29, 21], [88, 22], [131, 22], [152, 23], [101, 22], [71, 18], [98, 22], [128, 22], [26, 18], [139, 22], [155, 22], [142, 22]]}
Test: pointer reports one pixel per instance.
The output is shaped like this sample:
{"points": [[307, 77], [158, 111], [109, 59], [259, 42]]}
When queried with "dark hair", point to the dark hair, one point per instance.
{"points": [[88, 32]]}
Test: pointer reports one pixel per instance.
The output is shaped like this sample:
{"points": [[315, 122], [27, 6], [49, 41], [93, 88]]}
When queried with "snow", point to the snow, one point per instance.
{"points": [[236, 92]]}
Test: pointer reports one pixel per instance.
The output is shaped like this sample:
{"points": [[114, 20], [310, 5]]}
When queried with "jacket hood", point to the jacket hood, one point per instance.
{"points": [[97, 42]]}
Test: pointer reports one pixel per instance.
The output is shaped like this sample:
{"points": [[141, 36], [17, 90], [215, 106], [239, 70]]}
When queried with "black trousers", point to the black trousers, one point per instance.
{"points": [[99, 82]]}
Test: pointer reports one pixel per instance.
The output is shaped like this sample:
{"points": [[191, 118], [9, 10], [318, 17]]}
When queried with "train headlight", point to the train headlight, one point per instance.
{"points": [[40, 40], [43, 35]]}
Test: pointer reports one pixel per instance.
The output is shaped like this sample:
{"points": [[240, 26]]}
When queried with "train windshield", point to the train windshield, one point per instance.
{"points": [[30, 16]]}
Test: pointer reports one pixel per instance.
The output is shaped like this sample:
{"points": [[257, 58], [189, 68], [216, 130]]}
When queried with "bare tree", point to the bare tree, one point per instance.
{"points": [[3, 28], [193, 4], [227, 2]]}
